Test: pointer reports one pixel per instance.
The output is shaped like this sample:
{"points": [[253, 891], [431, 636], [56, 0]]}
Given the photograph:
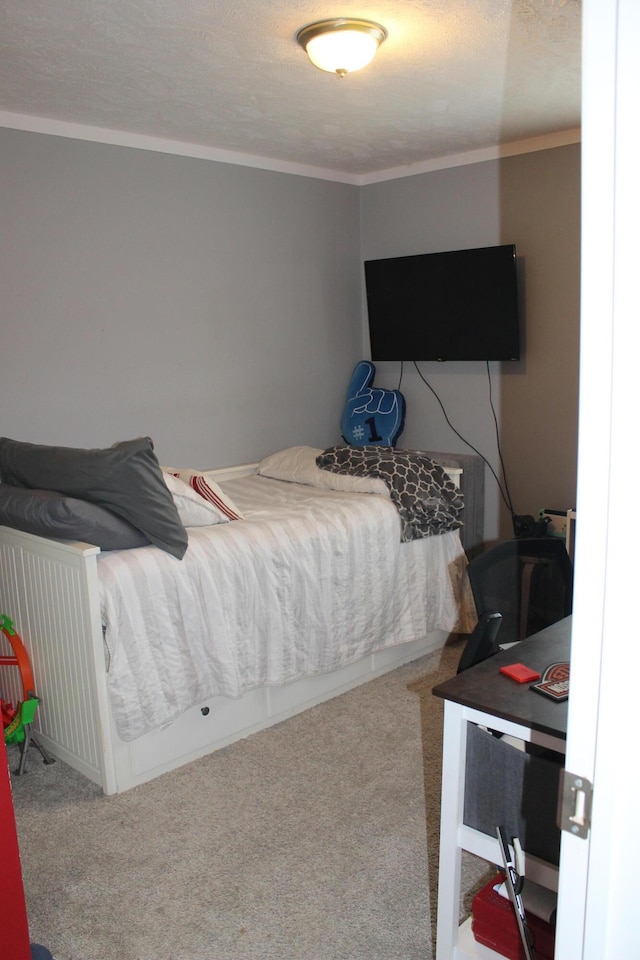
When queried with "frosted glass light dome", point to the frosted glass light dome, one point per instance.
{"points": [[341, 46]]}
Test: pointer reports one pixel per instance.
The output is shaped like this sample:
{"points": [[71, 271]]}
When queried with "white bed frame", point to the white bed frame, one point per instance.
{"points": [[49, 588]]}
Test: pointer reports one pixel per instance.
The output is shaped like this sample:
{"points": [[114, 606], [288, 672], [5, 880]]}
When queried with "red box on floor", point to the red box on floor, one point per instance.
{"points": [[494, 924]]}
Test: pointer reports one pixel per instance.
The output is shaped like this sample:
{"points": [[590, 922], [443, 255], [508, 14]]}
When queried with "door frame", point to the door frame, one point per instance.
{"points": [[598, 876]]}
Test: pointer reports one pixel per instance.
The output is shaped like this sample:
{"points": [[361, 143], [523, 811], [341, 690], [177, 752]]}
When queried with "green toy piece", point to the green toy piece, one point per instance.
{"points": [[17, 722], [26, 711]]}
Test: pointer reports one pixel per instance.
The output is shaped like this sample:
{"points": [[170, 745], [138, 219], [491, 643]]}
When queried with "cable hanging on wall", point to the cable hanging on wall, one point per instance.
{"points": [[504, 489]]}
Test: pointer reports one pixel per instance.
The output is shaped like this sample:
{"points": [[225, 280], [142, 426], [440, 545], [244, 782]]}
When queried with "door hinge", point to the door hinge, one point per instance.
{"points": [[574, 804]]}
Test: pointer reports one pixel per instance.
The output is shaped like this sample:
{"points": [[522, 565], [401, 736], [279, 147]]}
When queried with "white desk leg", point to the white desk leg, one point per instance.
{"points": [[454, 743]]}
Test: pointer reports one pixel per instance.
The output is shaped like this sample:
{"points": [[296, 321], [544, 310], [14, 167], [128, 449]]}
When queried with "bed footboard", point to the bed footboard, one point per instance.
{"points": [[49, 588]]}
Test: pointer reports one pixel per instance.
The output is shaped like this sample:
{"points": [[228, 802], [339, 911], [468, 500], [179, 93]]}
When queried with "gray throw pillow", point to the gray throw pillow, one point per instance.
{"points": [[49, 514], [125, 479]]}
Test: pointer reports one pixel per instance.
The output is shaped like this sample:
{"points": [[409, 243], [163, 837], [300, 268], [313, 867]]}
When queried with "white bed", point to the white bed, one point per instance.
{"points": [[300, 608]]}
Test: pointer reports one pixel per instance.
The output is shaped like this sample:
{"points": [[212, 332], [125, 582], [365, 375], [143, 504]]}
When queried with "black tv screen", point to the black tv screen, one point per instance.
{"points": [[458, 305]]}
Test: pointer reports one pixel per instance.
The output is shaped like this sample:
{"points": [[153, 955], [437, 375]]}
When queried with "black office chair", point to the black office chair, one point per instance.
{"points": [[528, 580], [482, 643]]}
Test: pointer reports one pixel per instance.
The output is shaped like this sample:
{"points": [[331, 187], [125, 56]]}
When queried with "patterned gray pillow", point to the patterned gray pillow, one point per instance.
{"points": [[125, 479]]}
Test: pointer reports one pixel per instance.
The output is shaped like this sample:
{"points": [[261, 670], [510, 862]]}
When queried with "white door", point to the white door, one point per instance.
{"points": [[599, 895]]}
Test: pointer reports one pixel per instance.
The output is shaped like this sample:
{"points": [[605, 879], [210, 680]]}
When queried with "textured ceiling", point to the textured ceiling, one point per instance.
{"points": [[453, 75]]}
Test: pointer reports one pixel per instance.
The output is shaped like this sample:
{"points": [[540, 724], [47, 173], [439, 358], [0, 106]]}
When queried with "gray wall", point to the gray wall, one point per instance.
{"points": [[215, 308], [219, 309], [533, 201]]}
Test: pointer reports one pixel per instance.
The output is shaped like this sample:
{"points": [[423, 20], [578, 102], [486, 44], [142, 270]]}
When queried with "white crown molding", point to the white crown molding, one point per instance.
{"points": [[137, 141], [543, 142], [79, 131]]}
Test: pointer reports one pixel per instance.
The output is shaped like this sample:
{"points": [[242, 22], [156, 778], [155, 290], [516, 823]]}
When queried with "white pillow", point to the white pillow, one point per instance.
{"points": [[202, 484], [193, 510], [298, 465]]}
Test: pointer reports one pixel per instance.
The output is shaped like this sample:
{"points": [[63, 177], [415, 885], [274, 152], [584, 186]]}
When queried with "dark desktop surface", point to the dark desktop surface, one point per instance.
{"points": [[484, 688]]}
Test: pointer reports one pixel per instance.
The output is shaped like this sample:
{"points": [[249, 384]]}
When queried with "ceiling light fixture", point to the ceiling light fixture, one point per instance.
{"points": [[341, 45]]}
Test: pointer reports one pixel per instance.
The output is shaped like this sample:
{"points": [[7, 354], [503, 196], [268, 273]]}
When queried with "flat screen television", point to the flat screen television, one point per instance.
{"points": [[457, 305]]}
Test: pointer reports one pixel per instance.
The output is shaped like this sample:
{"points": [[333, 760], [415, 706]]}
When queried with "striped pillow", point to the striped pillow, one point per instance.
{"points": [[211, 491]]}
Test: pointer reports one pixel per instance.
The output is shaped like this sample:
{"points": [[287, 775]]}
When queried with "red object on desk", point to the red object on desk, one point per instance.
{"points": [[14, 930], [520, 673]]}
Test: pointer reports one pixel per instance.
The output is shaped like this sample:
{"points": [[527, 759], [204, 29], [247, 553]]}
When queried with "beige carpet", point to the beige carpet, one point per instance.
{"points": [[308, 841]]}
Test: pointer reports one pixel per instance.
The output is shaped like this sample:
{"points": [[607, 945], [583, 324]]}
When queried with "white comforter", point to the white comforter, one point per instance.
{"points": [[309, 581]]}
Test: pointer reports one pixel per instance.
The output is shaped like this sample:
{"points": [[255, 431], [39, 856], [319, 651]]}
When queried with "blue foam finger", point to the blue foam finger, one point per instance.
{"points": [[371, 416]]}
